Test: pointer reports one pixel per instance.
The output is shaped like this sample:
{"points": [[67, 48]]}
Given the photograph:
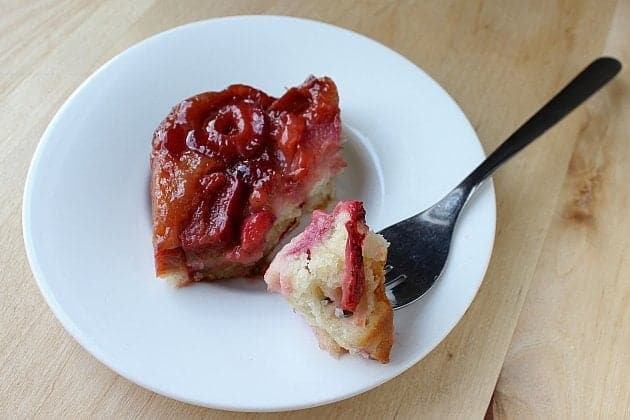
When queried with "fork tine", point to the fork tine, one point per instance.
{"points": [[404, 290], [396, 280], [392, 275]]}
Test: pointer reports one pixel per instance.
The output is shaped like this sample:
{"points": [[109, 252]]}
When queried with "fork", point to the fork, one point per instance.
{"points": [[420, 244]]}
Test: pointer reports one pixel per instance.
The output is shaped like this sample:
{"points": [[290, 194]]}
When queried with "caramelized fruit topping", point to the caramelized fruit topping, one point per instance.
{"points": [[224, 156]]}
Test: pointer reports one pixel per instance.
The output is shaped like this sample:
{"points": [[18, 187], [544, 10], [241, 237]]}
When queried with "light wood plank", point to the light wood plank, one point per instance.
{"points": [[570, 355]]}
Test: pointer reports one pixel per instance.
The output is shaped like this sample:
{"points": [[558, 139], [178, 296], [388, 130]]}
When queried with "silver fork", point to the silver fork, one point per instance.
{"points": [[420, 244]]}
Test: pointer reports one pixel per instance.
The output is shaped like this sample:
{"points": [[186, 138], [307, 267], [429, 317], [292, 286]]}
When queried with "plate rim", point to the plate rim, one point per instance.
{"points": [[91, 347]]}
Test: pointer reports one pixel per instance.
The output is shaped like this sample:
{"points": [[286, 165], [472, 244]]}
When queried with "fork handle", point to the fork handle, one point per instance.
{"points": [[589, 81]]}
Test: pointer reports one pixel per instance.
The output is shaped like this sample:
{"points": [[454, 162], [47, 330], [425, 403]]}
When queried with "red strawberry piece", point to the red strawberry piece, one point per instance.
{"points": [[254, 229], [353, 283], [216, 219]]}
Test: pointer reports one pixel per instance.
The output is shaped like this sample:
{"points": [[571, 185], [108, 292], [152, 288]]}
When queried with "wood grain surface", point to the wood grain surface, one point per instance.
{"points": [[548, 335]]}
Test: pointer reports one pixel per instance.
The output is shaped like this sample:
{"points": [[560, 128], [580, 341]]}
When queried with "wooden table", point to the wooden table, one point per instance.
{"points": [[548, 334]]}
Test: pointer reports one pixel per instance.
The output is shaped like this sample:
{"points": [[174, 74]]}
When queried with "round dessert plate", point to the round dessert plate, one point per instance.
{"points": [[231, 345]]}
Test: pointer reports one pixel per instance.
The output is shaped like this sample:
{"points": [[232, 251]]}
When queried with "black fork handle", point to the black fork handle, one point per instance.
{"points": [[589, 81]]}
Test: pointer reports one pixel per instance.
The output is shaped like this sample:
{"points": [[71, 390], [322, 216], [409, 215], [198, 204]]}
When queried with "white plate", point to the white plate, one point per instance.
{"points": [[230, 345]]}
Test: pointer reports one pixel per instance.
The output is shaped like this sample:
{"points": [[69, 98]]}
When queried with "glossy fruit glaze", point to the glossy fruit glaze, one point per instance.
{"points": [[226, 164]]}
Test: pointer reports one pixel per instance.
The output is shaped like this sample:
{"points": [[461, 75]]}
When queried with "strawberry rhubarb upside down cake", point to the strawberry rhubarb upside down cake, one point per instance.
{"points": [[233, 171]]}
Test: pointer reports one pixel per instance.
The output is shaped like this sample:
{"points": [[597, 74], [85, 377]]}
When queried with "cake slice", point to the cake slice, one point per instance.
{"points": [[232, 172], [332, 274]]}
